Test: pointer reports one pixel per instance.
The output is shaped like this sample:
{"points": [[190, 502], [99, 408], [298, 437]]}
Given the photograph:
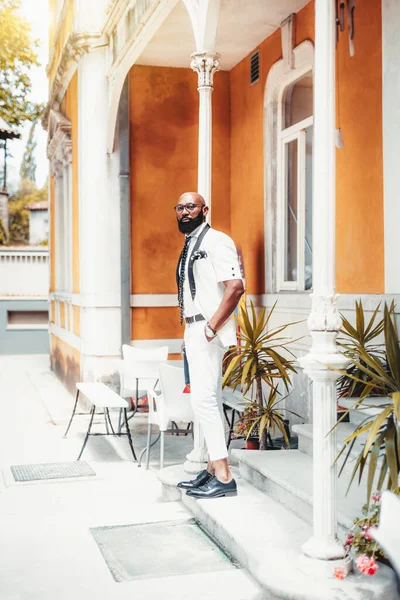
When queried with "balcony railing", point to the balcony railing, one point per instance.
{"points": [[24, 272]]}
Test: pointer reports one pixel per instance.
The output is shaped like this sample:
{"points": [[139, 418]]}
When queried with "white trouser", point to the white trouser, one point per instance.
{"points": [[205, 370]]}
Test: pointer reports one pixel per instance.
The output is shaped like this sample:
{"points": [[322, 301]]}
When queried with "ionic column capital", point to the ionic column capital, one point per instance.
{"points": [[205, 64]]}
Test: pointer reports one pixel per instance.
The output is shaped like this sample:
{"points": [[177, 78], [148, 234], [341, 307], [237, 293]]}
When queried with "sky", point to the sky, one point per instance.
{"points": [[36, 12]]}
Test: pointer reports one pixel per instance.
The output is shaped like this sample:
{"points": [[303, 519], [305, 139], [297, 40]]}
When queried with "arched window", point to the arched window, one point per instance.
{"points": [[288, 158]]}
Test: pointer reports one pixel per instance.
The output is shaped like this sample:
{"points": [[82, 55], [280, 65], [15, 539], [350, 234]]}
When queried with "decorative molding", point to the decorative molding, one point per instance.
{"points": [[75, 46], [59, 143], [60, 20], [324, 314], [153, 300], [205, 64], [114, 12], [288, 36]]}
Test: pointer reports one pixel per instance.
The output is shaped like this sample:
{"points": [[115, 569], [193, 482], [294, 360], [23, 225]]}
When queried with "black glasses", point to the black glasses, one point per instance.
{"points": [[179, 208]]}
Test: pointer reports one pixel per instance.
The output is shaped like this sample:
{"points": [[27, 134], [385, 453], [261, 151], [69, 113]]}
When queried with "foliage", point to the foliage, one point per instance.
{"points": [[352, 341], [17, 55], [3, 234], [256, 421], [359, 541], [18, 223], [28, 166], [383, 440], [261, 355]]}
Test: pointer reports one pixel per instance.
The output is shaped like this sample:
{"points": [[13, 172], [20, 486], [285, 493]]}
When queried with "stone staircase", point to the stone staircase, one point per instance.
{"points": [[264, 527]]}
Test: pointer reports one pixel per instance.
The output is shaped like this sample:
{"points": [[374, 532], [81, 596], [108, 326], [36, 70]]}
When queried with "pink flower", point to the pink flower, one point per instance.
{"points": [[367, 535], [366, 564], [377, 496], [339, 573]]}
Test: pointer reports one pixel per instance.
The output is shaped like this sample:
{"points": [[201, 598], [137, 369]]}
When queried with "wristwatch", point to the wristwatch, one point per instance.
{"points": [[209, 331]]}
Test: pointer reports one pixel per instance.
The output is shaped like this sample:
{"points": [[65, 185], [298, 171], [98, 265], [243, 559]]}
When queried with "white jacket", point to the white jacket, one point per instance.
{"points": [[214, 262]]}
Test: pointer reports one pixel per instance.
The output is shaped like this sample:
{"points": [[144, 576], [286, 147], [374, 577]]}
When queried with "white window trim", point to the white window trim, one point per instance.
{"points": [[295, 132], [281, 75]]}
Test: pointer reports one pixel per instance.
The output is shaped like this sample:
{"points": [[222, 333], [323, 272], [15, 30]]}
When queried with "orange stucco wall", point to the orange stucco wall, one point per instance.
{"points": [[247, 151], [359, 182], [164, 130], [69, 107], [164, 139]]}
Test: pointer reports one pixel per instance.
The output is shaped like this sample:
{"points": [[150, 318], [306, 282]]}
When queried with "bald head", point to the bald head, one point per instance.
{"points": [[191, 211], [192, 197]]}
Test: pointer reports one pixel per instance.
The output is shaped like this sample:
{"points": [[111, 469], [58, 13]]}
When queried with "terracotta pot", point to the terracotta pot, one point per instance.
{"points": [[252, 444]]}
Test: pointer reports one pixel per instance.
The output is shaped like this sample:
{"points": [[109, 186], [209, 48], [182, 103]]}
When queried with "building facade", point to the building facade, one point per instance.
{"points": [[285, 117], [125, 134]]}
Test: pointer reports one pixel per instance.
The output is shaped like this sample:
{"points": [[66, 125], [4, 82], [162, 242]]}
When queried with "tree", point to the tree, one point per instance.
{"points": [[17, 55], [18, 216], [28, 166]]}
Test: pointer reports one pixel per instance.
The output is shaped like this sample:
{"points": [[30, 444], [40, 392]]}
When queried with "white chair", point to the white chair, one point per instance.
{"points": [[171, 405], [139, 364]]}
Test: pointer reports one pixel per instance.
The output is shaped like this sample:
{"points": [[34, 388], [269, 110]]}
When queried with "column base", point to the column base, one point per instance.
{"points": [[325, 550], [325, 568]]}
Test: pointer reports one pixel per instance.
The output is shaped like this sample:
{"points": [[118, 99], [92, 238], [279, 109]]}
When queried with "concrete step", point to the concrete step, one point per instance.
{"points": [[343, 430], [266, 538], [369, 407], [286, 476]]}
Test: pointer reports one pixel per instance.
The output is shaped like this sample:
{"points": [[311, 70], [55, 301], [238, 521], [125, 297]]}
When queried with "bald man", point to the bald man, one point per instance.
{"points": [[209, 287]]}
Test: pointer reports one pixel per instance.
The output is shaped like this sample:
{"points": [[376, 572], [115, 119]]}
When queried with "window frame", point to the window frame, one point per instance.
{"points": [[283, 74], [285, 136]]}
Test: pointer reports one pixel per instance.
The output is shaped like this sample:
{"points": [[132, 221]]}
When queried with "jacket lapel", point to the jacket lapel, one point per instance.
{"points": [[192, 284]]}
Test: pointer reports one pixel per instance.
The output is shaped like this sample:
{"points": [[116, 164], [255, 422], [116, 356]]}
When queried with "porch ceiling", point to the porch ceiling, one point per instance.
{"points": [[243, 25]]}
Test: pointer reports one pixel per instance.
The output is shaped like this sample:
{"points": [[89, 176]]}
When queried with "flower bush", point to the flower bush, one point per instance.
{"points": [[360, 544]]}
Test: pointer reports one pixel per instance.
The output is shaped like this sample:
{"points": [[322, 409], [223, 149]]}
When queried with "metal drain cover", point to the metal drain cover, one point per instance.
{"points": [[51, 471], [152, 550]]}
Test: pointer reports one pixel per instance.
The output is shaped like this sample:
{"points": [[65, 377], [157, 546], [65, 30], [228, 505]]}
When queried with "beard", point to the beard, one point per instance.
{"points": [[192, 224]]}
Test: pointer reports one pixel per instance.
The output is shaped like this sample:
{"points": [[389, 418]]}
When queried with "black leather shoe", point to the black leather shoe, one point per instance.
{"points": [[201, 479], [214, 488]]}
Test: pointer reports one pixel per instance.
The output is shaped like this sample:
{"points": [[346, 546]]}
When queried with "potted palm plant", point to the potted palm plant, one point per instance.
{"points": [[262, 355], [382, 447]]}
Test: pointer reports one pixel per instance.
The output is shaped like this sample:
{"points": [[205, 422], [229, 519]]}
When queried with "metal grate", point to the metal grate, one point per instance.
{"points": [[254, 67], [51, 471], [180, 548]]}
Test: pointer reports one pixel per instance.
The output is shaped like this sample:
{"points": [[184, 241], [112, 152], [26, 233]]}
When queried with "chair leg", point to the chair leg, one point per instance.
{"points": [[88, 432], [109, 420], [128, 432], [188, 429], [162, 449], [148, 446], [73, 413], [231, 424]]}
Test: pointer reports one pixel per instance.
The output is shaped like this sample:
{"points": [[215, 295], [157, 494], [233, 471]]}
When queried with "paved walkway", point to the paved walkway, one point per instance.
{"points": [[47, 550]]}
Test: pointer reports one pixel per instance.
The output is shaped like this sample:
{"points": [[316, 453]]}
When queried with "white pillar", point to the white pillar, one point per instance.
{"points": [[205, 64], [324, 321], [99, 223]]}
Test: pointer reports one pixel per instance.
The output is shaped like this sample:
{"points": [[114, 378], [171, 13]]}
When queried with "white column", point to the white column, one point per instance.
{"points": [[205, 64], [99, 223], [391, 139], [324, 321]]}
